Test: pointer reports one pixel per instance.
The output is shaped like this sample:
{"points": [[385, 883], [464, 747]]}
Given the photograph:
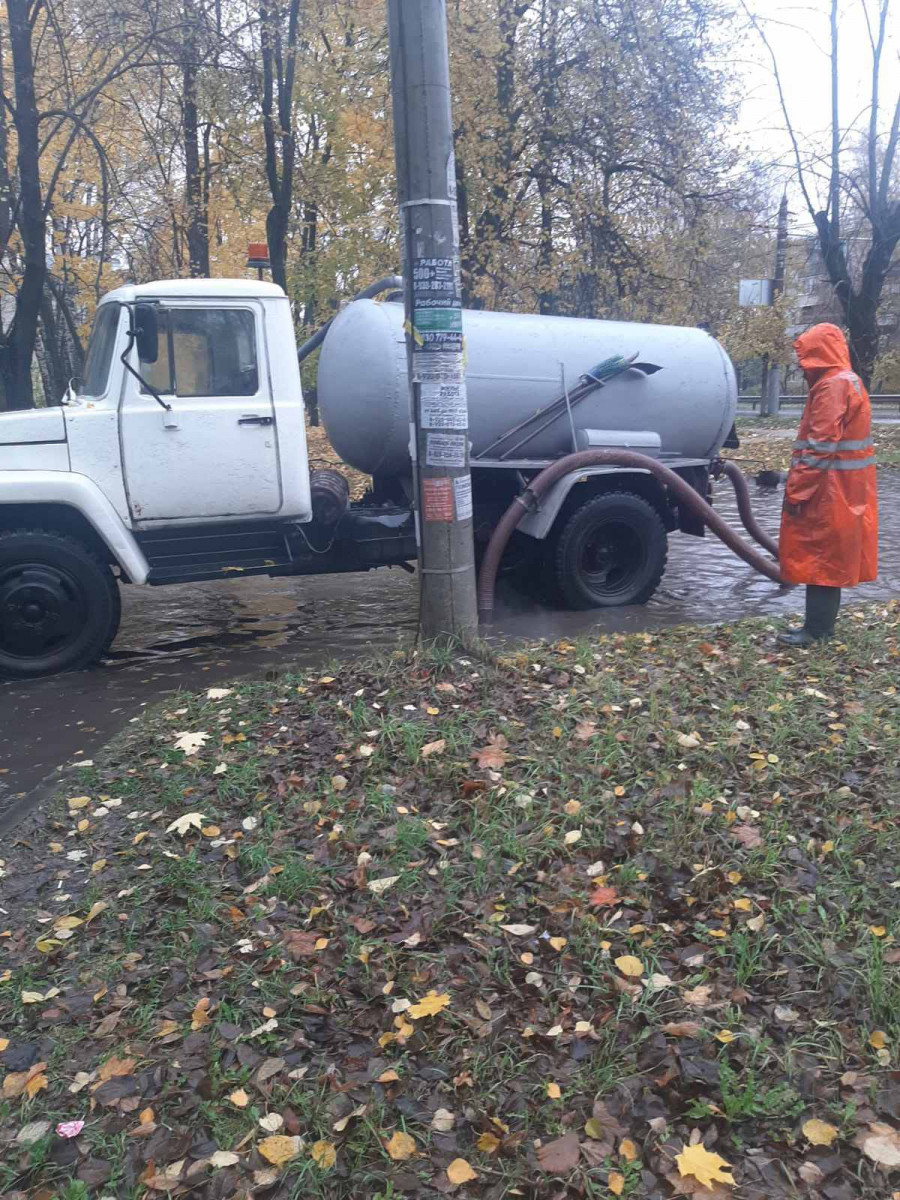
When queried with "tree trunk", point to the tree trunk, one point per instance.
{"points": [[55, 371], [197, 217], [17, 349], [279, 65]]}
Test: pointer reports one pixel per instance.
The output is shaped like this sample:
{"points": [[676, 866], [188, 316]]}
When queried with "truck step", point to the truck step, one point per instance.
{"points": [[213, 552]]}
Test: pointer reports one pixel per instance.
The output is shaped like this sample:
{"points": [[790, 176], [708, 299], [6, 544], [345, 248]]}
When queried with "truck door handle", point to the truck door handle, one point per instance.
{"points": [[256, 421]]}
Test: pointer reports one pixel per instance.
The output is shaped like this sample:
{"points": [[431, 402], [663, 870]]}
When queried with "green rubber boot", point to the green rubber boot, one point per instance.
{"points": [[822, 605]]}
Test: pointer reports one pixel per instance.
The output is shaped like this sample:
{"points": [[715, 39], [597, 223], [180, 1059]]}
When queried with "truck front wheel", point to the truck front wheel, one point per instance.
{"points": [[611, 551], [59, 604]]}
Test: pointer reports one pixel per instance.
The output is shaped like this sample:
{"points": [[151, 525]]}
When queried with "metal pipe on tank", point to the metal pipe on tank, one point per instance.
{"points": [[390, 283]]}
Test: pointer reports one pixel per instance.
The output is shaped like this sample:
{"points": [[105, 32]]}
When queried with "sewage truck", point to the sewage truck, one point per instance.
{"points": [[182, 456]]}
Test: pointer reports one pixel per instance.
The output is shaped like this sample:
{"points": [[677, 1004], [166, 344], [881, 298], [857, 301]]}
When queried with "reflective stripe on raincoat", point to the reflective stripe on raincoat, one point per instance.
{"points": [[829, 527]]}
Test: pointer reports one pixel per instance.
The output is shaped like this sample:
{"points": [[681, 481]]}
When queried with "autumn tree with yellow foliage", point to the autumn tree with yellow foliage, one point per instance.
{"points": [[143, 141]]}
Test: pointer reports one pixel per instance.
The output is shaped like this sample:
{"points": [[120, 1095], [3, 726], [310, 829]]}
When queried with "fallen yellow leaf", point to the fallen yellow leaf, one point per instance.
{"points": [[200, 1015], [877, 931], [630, 966], [429, 1006], [35, 1084], [877, 1039], [819, 1133], [323, 1154], [725, 1036], [279, 1149], [488, 1143], [67, 923], [401, 1146], [459, 1171], [115, 1067], [239, 1098], [616, 1182], [554, 1091], [705, 1166], [628, 1150]]}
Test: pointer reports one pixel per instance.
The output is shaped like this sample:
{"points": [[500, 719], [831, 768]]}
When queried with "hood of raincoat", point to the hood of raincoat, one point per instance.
{"points": [[822, 348]]}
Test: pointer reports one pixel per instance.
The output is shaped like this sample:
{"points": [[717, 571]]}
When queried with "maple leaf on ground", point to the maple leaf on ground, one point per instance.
{"points": [[749, 837], [604, 897], [187, 821], [493, 756], [116, 1067], [190, 743], [703, 1165], [698, 997], [429, 1006]]}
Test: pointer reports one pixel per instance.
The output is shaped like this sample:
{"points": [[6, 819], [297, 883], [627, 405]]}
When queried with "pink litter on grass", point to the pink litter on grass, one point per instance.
{"points": [[69, 1129]]}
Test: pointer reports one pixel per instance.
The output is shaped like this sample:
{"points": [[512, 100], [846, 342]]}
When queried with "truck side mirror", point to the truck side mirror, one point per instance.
{"points": [[146, 332]]}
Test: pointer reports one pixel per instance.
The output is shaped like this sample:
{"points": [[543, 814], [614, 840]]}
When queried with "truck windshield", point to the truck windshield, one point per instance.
{"points": [[100, 351]]}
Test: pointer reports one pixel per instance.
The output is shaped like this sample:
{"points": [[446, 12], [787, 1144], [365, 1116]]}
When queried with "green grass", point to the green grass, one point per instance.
{"points": [[751, 876]]}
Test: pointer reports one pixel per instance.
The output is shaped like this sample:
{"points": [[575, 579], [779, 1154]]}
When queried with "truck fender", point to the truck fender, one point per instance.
{"points": [[37, 488], [539, 522]]}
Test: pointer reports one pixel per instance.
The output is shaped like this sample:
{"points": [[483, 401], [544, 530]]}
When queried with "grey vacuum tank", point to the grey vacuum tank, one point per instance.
{"points": [[512, 370]]}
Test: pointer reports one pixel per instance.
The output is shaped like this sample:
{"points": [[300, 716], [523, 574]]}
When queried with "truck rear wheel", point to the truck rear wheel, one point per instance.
{"points": [[612, 551], [59, 604]]}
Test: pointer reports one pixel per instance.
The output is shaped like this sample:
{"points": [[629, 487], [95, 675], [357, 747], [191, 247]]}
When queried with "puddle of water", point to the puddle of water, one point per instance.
{"points": [[196, 635]]}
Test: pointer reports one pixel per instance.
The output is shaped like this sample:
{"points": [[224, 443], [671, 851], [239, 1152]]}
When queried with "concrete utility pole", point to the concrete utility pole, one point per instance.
{"points": [[439, 439], [771, 398]]}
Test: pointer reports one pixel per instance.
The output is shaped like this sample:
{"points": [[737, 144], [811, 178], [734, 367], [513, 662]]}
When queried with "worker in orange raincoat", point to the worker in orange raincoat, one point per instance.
{"points": [[829, 526]]}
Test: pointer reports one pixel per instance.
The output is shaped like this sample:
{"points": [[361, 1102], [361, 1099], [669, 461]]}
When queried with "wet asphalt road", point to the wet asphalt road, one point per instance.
{"points": [[194, 635]]}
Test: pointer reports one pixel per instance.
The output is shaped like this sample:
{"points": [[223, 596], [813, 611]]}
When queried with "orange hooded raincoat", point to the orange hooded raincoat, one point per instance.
{"points": [[829, 527]]}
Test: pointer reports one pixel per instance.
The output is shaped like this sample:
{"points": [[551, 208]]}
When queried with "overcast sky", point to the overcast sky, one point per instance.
{"points": [[799, 36]]}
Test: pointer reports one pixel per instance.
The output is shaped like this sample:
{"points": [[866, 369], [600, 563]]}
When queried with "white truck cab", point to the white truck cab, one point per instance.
{"points": [[188, 463], [226, 358]]}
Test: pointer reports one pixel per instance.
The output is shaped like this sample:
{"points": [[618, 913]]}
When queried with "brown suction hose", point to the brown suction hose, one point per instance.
{"points": [[680, 489], [745, 509]]}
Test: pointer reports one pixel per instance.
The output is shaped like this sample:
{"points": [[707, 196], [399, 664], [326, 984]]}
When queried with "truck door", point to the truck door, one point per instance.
{"points": [[216, 453]]}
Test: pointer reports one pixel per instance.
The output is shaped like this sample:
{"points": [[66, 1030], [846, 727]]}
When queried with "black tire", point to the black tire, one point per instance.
{"points": [[59, 604], [612, 551]]}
